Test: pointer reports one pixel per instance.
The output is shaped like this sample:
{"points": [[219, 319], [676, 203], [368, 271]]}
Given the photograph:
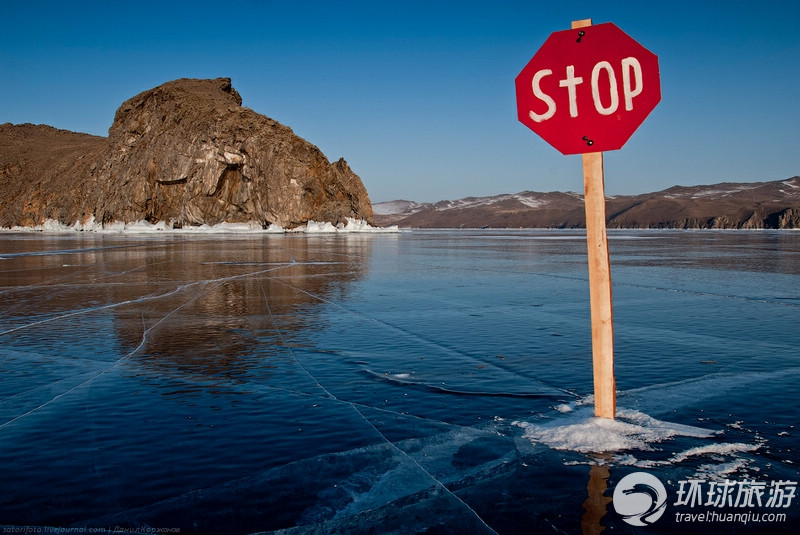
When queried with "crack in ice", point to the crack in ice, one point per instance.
{"points": [[142, 299], [219, 282], [361, 415], [426, 341]]}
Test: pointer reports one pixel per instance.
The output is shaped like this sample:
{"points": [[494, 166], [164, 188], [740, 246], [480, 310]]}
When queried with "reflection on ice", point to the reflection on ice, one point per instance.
{"points": [[248, 382]]}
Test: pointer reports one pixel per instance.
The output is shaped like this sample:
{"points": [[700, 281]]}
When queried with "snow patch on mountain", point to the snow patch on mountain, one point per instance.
{"points": [[397, 207]]}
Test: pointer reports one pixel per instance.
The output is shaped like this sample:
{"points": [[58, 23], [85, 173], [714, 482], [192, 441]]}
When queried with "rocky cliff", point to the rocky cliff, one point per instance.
{"points": [[758, 205], [187, 153], [45, 173]]}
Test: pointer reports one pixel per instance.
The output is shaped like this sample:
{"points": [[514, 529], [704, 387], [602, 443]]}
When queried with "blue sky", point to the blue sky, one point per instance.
{"points": [[418, 96]]}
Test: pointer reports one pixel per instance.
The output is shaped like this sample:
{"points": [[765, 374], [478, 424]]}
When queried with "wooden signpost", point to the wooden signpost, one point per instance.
{"points": [[586, 91]]}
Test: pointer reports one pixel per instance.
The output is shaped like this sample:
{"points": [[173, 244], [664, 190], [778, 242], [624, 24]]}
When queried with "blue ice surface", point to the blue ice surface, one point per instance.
{"points": [[420, 381]]}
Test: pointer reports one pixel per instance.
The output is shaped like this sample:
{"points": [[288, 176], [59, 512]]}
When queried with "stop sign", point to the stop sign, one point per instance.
{"points": [[588, 89]]}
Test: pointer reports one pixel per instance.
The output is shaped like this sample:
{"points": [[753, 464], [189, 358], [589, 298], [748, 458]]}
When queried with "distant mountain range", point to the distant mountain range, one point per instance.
{"points": [[757, 205]]}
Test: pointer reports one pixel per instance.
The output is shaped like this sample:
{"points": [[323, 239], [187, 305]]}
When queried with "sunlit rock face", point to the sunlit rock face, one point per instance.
{"points": [[187, 152], [45, 174]]}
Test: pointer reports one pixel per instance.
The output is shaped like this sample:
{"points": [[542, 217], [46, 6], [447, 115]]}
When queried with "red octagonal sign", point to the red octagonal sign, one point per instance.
{"points": [[588, 89]]}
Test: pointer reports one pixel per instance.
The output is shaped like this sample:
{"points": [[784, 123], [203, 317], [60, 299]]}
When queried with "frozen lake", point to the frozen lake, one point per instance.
{"points": [[411, 382]]}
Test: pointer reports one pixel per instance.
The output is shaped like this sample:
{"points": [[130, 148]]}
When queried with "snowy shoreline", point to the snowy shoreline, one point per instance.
{"points": [[145, 227]]}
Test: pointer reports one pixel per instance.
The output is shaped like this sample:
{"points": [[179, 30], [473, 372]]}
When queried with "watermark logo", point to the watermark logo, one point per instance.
{"points": [[640, 499], [736, 494]]}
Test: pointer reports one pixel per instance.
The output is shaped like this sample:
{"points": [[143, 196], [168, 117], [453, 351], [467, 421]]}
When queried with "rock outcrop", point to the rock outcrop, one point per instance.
{"points": [[45, 173], [186, 153]]}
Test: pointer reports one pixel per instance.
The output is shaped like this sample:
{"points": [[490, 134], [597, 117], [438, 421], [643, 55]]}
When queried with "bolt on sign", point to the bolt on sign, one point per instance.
{"points": [[584, 92], [588, 89]]}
